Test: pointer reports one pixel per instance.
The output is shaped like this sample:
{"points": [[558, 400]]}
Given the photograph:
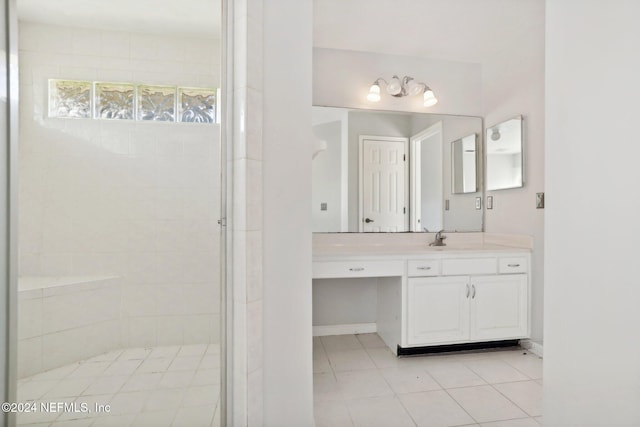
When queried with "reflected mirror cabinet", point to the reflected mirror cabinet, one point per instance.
{"points": [[384, 171], [504, 155]]}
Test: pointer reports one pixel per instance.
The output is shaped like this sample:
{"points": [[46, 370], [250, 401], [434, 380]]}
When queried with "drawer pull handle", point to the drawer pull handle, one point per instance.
{"points": [[424, 268], [356, 269], [513, 265], [468, 291], [474, 291]]}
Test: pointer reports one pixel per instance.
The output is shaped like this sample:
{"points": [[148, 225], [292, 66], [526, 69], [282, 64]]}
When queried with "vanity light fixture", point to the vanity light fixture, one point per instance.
{"points": [[407, 86]]}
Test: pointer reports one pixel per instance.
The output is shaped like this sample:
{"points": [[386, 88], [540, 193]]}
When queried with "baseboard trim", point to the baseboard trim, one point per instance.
{"points": [[346, 329], [534, 347]]}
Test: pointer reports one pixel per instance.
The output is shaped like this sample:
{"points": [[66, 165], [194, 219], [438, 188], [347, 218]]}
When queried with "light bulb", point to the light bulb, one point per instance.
{"points": [[395, 86], [374, 93], [429, 98], [414, 88]]}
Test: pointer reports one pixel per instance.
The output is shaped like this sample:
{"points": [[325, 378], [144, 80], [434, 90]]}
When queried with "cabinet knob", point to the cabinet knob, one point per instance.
{"points": [[513, 265], [368, 220], [356, 269], [468, 290], [473, 295]]}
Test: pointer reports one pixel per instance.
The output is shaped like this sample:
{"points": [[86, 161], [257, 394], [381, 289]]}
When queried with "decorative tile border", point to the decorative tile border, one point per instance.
{"points": [[114, 101], [196, 105], [128, 101], [156, 103], [70, 98]]}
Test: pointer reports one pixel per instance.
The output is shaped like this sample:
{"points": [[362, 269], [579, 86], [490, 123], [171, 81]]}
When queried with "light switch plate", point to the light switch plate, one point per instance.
{"points": [[323, 206], [489, 202], [478, 202], [539, 200]]}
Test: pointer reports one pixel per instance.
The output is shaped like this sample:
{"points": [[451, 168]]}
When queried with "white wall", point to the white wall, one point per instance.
{"points": [[342, 79], [513, 84], [327, 178], [591, 369], [344, 301], [288, 383], [132, 199]]}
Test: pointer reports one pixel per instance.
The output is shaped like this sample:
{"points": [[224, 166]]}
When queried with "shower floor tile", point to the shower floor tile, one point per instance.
{"points": [[175, 386]]}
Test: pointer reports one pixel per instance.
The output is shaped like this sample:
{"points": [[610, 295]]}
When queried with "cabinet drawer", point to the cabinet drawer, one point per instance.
{"points": [[452, 267], [424, 268], [512, 265], [337, 269]]}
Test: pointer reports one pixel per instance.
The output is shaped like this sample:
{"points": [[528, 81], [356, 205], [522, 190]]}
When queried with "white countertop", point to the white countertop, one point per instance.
{"points": [[414, 244], [383, 249]]}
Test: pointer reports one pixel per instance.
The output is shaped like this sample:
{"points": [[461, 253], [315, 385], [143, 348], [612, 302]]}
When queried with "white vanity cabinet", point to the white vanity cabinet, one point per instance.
{"points": [[498, 308], [442, 297], [437, 310], [474, 299]]}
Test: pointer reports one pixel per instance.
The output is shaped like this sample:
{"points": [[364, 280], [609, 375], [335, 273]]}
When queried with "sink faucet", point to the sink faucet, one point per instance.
{"points": [[439, 241]]}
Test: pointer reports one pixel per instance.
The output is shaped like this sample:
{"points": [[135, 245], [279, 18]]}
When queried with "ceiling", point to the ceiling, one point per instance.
{"points": [[200, 18], [455, 30]]}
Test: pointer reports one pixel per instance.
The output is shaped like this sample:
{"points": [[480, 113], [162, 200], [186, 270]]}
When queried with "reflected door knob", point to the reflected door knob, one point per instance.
{"points": [[367, 220]]}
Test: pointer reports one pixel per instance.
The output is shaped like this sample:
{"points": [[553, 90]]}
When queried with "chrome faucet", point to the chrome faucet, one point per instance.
{"points": [[439, 241]]}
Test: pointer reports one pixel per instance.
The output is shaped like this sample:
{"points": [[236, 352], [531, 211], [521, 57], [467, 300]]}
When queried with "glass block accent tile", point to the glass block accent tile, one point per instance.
{"points": [[196, 105], [157, 103], [69, 98], [114, 101]]}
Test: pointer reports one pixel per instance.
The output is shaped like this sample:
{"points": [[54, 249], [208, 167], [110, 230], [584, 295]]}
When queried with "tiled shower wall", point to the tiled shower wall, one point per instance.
{"points": [[138, 200]]}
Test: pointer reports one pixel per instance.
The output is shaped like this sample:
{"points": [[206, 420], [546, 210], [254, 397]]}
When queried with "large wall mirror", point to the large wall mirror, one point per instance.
{"points": [[382, 171], [504, 155]]}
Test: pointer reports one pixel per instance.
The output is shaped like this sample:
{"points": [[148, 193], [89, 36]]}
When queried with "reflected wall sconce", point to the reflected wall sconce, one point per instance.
{"points": [[407, 86]]}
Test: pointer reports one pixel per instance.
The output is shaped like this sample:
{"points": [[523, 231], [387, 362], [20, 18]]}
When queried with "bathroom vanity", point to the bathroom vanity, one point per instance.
{"points": [[475, 290]]}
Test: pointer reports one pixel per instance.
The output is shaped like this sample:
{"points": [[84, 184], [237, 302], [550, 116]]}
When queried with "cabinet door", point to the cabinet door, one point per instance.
{"points": [[499, 307], [438, 310]]}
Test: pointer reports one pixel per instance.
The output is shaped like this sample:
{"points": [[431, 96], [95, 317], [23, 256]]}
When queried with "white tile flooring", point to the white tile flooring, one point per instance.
{"points": [[176, 386], [358, 382]]}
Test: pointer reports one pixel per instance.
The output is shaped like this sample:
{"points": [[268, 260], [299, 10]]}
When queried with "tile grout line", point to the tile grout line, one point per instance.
{"points": [[395, 395], [509, 399], [457, 403], [506, 382], [492, 384], [342, 400]]}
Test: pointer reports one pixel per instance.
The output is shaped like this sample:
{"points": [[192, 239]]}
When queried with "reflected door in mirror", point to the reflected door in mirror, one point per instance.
{"points": [[383, 184]]}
